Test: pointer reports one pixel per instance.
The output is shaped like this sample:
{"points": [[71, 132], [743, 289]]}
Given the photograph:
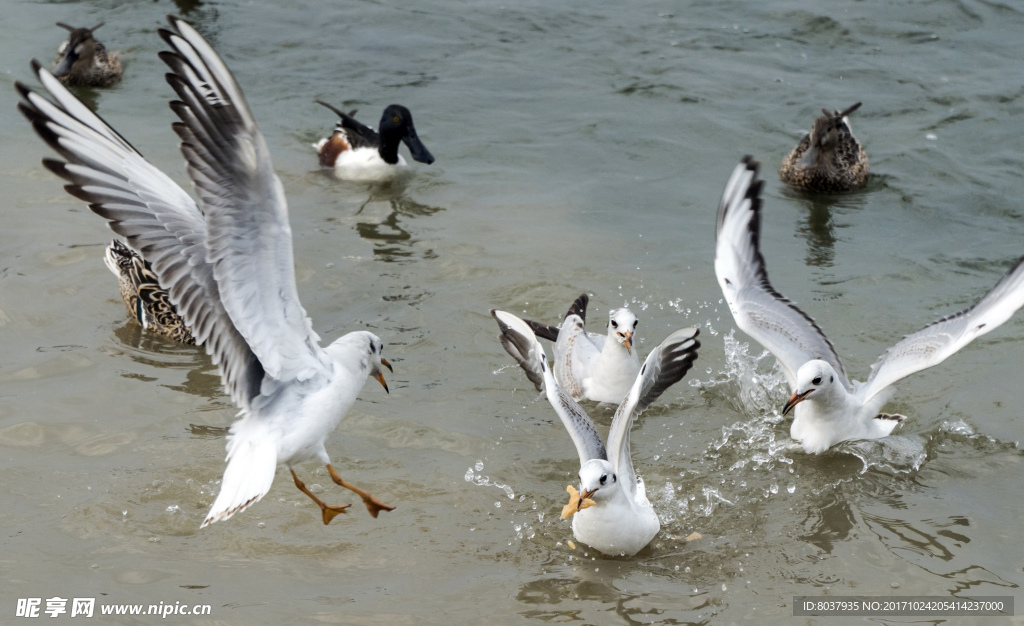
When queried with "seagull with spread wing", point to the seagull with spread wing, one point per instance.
{"points": [[588, 365], [621, 520], [228, 267], [829, 408]]}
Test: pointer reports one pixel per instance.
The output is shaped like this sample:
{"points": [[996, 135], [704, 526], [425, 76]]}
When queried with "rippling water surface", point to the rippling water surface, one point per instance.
{"points": [[579, 148]]}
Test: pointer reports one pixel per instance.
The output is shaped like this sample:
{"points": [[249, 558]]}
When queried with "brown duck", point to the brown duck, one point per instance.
{"points": [[829, 158], [82, 61], [146, 301]]}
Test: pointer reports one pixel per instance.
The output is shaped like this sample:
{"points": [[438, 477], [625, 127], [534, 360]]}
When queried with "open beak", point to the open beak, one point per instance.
{"points": [[583, 496], [628, 342], [380, 376], [794, 400], [416, 147]]}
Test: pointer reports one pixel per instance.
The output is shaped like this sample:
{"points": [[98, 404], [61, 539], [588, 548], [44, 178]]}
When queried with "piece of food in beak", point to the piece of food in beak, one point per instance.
{"points": [[628, 342], [575, 502]]}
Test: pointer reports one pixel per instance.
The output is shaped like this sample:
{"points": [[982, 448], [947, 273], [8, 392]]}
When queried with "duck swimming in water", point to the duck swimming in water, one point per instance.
{"points": [[82, 61], [357, 152], [829, 158], [146, 301]]}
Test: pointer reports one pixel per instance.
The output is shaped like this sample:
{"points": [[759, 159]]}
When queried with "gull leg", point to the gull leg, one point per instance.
{"points": [[328, 511], [373, 505]]}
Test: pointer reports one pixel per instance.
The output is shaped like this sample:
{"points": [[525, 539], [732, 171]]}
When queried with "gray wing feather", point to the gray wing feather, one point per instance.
{"points": [[758, 309], [936, 342], [248, 238], [522, 345], [665, 366], [153, 213]]}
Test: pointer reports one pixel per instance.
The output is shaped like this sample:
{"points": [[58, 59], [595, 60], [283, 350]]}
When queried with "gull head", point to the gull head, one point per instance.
{"points": [[815, 381], [621, 326], [373, 349], [597, 476]]}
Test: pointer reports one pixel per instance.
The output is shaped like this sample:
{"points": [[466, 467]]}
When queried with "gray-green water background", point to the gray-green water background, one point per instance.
{"points": [[580, 147]]}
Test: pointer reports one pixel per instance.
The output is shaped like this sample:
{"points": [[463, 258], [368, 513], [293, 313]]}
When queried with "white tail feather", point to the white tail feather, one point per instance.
{"points": [[252, 463]]}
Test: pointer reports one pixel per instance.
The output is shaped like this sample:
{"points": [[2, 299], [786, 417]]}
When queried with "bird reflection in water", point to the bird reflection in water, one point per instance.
{"points": [[154, 351], [381, 220], [819, 225]]}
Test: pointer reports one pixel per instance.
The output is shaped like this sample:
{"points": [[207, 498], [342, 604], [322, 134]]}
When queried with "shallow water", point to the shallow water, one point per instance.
{"points": [[578, 149]]}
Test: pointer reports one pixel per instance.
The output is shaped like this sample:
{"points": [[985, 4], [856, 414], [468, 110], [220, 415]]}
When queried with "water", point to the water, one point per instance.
{"points": [[579, 148]]}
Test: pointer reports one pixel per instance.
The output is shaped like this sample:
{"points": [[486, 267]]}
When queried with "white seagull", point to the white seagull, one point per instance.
{"points": [[829, 407], [601, 368], [621, 520], [228, 266]]}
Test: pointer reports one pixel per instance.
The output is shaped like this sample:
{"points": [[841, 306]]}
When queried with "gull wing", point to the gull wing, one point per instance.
{"points": [[522, 345], [665, 366], [579, 307], [939, 340], [248, 238], [759, 310], [575, 354], [153, 213]]}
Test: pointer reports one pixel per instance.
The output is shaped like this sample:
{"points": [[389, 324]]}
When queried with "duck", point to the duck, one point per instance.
{"points": [[830, 408], [82, 61], [591, 366], [145, 300], [829, 159], [357, 152], [226, 263], [610, 511]]}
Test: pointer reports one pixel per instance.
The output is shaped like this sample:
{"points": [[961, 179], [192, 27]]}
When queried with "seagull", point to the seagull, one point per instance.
{"points": [[828, 407], [621, 520], [357, 152], [228, 267], [601, 368]]}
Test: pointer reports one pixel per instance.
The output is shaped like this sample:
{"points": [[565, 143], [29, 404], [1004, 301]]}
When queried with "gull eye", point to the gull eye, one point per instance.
{"points": [[817, 380], [615, 324], [604, 479]]}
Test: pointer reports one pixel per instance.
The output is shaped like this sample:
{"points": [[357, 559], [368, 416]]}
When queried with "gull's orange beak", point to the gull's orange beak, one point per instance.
{"points": [[583, 496], [794, 400], [380, 377], [629, 342]]}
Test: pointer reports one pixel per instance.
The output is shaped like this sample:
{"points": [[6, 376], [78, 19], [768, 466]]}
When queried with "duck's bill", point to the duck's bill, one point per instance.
{"points": [[794, 400], [64, 64], [416, 147], [577, 502]]}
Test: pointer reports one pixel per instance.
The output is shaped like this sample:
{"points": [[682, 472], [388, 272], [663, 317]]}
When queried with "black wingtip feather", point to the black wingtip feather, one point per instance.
{"points": [[543, 330], [579, 307]]}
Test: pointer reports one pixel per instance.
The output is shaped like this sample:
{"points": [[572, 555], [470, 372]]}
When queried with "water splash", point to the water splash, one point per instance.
{"points": [[485, 481], [894, 454]]}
